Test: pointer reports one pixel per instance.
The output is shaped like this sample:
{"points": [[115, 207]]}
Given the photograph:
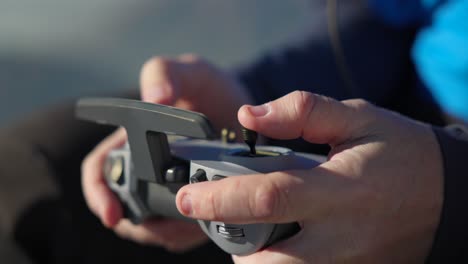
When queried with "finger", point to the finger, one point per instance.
{"points": [[163, 80], [278, 197], [295, 250], [318, 243], [316, 118], [174, 235], [191, 83], [100, 199], [268, 257]]}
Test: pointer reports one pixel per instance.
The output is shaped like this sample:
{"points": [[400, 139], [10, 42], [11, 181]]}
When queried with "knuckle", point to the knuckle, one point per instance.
{"points": [[360, 105], [122, 232], [87, 169], [327, 105], [267, 202], [214, 212], [219, 201], [90, 162], [364, 109], [197, 63], [302, 102], [85, 165]]}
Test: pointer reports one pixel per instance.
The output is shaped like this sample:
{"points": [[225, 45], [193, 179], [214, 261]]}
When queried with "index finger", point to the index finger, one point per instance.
{"points": [[317, 119], [278, 197]]}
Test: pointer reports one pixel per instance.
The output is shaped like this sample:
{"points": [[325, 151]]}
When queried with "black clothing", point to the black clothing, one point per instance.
{"points": [[64, 230], [450, 244]]}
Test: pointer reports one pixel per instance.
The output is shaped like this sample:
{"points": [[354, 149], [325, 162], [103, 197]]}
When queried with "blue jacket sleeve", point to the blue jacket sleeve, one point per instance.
{"points": [[439, 52], [441, 56]]}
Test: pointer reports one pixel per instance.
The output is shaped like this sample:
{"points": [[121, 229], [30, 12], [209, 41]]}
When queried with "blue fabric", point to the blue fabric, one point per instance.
{"points": [[441, 57], [400, 12], [440, 52]]}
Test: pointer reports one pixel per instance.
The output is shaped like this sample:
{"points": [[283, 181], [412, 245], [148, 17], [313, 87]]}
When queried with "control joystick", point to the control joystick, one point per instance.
{"points": [[149, 170], [246, 239], [250, 138]]}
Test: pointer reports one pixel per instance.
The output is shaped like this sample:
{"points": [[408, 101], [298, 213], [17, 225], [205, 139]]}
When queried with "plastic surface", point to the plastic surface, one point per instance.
{"points": [[249, 238], [147, 172], [147, 127]]}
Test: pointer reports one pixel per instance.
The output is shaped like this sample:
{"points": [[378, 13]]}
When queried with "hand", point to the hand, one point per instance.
{"points": [[187, 82], [377, 199], [194, 84], [174, 235]]}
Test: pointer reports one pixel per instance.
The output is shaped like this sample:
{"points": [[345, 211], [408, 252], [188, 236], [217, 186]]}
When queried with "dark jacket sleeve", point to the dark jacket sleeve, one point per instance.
{"points": [[41, 154], [451, 241], [45, 148], [376, 56]]}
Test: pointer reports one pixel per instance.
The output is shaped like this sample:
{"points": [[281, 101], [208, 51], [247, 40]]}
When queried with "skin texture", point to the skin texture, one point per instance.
{"points": [[376, 200], [179, 82]]}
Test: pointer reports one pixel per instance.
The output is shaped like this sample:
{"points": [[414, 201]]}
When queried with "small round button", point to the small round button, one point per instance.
{"points": [[199, 176]]}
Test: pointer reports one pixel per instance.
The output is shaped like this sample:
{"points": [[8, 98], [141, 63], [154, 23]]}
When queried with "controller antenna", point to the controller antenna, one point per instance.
{"points": [[250, 138]]}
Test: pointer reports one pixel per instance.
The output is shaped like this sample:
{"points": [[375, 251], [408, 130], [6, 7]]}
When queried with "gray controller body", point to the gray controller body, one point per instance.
{"points": [[218, 160], [246, 239], [147, 172]]}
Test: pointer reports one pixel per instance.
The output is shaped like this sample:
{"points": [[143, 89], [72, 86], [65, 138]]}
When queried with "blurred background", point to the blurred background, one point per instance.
{"points": [[51, 50]]}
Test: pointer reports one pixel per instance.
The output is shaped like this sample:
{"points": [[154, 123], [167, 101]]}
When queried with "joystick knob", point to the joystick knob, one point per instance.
{"points": [[250, 138]]}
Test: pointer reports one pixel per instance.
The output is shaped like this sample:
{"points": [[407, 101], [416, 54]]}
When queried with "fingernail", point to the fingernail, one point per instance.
{"points": [[186, 204], [259, 110]]}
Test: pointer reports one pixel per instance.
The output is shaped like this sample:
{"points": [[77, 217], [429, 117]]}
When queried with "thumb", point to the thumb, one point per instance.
{"points": [[315, 118]]}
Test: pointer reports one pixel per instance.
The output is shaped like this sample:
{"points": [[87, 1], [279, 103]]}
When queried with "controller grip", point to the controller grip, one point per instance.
{"points": [[130, 215], [143, 199], [283, 231], [116, 171], [245, 239], [150, 201]]}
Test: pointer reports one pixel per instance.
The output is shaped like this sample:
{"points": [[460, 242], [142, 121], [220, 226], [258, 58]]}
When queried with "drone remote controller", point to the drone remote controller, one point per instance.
{"points": [[149, 170]]}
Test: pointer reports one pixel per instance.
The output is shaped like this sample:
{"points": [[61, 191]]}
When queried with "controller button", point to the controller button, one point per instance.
{"points": [[229, 231], [114, 169], [217, 177], [199, 176], [177, 174]]}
